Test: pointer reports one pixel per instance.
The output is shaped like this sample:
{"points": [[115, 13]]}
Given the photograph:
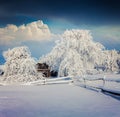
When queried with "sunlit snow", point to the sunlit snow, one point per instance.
{"points": [[56, 101]]}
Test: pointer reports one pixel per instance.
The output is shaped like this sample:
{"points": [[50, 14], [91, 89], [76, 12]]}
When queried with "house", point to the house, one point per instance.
{"points": [[44, 68]]}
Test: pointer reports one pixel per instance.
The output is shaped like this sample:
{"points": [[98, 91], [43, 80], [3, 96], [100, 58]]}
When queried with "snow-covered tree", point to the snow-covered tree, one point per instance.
{"points": [[111, 64], [77, 54], [19, 66]]}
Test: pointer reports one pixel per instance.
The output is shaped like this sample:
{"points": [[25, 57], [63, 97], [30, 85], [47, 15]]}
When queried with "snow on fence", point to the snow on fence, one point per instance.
{"points": [[105, 84], [46, 81]]}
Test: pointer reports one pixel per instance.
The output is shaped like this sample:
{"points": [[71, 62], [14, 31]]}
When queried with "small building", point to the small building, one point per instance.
{"points": [[44, 68]]}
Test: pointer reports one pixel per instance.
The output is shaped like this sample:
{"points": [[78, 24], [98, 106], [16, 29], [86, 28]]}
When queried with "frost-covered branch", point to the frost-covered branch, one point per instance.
{"points": [[19, 66], [77, 54]]}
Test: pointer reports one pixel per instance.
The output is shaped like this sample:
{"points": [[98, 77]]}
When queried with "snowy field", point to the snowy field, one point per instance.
{"points": [[58, 100]]}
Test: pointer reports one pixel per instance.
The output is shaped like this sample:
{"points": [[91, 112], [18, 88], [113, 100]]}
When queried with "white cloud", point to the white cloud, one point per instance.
{"points": [[35, 31]]}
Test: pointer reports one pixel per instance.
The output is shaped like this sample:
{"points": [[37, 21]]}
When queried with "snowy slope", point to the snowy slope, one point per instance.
{"points": [[56, 101]]}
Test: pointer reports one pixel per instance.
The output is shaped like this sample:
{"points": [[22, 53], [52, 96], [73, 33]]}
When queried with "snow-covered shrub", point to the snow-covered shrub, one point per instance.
{"points": [[77, 54], [19, 66], [118, 62], [111, 61]]}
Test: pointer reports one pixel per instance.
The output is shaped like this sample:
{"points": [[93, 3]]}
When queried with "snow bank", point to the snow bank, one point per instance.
{"points": [[77, 54], [19, 66]]}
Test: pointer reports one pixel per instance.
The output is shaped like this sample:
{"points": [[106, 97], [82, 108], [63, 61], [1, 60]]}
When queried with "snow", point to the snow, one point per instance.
{"points": [[56, 101], [107, 82], [19, 66], [26, 93], [78, 54], [46, 81]]}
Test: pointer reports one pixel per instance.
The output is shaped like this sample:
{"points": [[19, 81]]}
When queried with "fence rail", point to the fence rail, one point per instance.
{"points": [[84, 82], [45, 81], [104, 80]]}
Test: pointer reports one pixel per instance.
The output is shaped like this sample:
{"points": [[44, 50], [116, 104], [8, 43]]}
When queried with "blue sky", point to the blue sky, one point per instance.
{"points": [[102, 17]]}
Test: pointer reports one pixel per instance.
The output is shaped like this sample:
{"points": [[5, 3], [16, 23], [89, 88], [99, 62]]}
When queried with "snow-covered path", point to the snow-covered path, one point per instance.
{"points": [[61, 100]]}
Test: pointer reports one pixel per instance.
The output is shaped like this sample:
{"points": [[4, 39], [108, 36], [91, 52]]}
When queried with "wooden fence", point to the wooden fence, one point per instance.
{"points": [[61, 80], [82, 80], [102, 87]]}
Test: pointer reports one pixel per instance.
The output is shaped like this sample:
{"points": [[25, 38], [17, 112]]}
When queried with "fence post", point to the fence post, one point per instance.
{"points": [[84, 81], [104, 81], [44, 81]]}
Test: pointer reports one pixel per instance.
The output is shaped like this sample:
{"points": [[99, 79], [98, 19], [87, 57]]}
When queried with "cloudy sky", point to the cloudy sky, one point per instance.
{"points": [[35, 22]]}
